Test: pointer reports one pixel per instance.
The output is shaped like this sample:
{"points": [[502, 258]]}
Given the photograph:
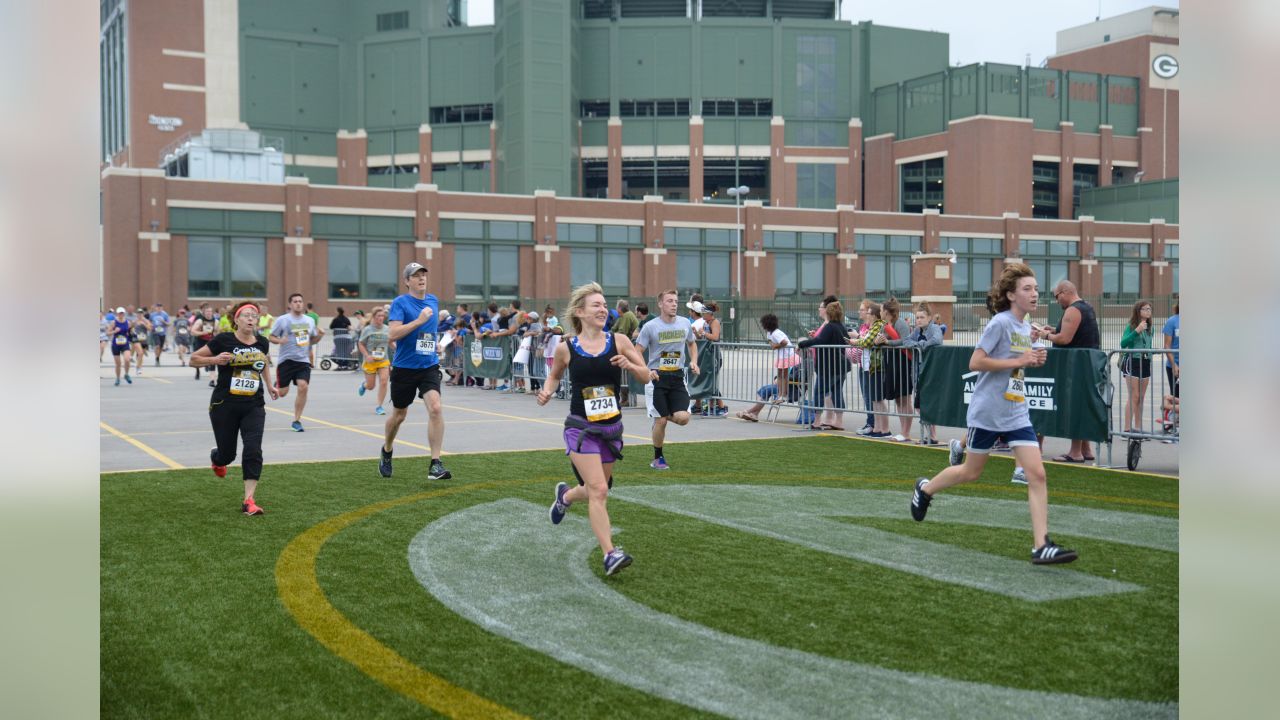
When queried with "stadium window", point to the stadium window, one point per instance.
{"points": [[971, 276], [799, 274], [226, 267], [362, 269], [921, 185], [387, 22], [887, 263], [699, 267], [457, 114], [1044, 189]]}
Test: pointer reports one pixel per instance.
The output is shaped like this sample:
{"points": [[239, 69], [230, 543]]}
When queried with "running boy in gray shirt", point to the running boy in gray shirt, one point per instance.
{"points": [[667, 342], [998, 407]]}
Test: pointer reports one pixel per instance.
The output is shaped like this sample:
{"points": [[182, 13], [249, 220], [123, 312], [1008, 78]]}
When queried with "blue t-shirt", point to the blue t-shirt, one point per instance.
{"points": [[159, 322], [417, 349], [1172, 328]]}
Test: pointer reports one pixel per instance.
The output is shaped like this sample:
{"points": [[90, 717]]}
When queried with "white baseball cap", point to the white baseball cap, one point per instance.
{"points": [[696, 306], [120, 311]]}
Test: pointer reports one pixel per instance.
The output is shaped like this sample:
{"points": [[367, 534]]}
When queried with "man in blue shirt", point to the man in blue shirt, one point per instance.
{"points": [[415, 369], [159, 328], [1173, 360]]}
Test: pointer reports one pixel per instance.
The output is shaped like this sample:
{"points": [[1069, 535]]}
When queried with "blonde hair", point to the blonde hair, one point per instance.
{"points": [[578, 301], [835, 312]]}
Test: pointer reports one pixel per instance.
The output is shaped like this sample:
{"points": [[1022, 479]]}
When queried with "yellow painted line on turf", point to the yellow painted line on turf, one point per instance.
{"points": [[302, 596], [348, 428], [528, 419], [143, 447]]}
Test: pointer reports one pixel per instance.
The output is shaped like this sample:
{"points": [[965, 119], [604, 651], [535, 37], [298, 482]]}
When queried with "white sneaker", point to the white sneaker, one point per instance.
{"points": [[956, 456], [1019, 477], [899, 438]]}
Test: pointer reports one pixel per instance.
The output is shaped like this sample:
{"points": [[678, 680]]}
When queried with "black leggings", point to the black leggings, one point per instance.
{"points": [[246, 419]]}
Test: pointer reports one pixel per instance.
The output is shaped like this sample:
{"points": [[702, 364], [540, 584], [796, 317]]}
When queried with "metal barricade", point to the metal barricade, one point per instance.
{"points": [[1144, 404], [822, 378]]}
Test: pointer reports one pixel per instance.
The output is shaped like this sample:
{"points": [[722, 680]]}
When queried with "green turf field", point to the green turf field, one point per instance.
{"points": [[320, 609]]}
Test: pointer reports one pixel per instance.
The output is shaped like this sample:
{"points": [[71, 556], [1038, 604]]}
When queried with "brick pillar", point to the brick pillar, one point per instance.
{"points": [[548, 278], [1088, 276], [353, 153], [757, 266], [424, 154], [880, 181], [155, 257], [1066, 169], [1160, 281], [615, 158], [848, 278], [931, 241], [1012, 241], [777, 163], [427, 247], [853, 171], [659, 264], [1106, 154], [1148, 154], [696, 189]]}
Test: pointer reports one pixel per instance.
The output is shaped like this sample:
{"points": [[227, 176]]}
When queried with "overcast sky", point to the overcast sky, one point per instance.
{"points": [[1004, 31]]}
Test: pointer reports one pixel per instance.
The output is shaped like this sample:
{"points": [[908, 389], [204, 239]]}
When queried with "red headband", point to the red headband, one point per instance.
{"points": [[246, 307]]}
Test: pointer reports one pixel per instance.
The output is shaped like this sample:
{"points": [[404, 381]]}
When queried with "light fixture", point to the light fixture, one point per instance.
{"points": [[430, 234], [297, 230], [155, 225], [951, 252]]}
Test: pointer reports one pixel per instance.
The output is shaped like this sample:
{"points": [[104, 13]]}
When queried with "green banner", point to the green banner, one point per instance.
{"points": [[1067, 397], [704, 384], [487, 358]]}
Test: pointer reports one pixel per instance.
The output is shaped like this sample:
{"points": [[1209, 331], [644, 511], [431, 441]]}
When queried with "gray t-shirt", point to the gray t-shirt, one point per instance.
{"points": [[666, 343], [1005, 337], [377, 341], [299, 334]]}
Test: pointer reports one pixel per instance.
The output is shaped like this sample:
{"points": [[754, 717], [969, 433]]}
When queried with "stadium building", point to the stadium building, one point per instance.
{"points": [[255, 149]]}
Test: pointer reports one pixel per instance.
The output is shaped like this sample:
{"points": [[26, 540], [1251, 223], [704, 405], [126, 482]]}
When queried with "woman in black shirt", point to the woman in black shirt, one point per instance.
{"points": [[831, 365], [593, 430], [236, 407]]}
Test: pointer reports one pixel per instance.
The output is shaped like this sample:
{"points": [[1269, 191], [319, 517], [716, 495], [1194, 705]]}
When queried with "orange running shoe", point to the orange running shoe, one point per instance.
{"points": [[219, 470], [249, 507]]}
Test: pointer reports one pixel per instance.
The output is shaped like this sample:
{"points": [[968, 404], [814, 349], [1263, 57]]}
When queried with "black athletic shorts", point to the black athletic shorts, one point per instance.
{"points": [[118, 348], [667, 395], [291, 371], [408, 384]]}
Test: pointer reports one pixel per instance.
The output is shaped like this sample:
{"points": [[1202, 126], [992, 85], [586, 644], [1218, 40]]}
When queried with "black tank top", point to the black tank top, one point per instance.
{"points": [[593, 383], [1087, 335]]}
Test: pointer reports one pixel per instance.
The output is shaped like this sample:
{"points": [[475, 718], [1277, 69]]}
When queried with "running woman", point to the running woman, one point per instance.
{"points": [[236, 407], [668, 341], [374, 341], [415, 371], [119, 331], [182, 337], [204, 327], [141, 329], [998, 409], [593, 429], [295, 333]]}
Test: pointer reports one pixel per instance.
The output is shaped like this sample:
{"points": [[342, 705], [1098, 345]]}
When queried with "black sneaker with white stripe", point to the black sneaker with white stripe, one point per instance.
{"points": [[920, 500], [1052, 553]]}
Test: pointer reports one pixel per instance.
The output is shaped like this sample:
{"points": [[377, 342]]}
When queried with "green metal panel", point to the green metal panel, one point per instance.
{"points": [[655, 60], [596, 132], [885, 111], [196, 220], [755, 131], [736, 59], [474, 180], [326, 226], [318, 175], [446, 137], [310, 142], [388, 227], [962, 85], [461, 68], [718, 131], [924, 107], [1136, 202], [638, 131], [255, 222], [1122, 104], [380, 142], [392, 84], [672, 131], [315, 85], [267, 96], [320, 17], [1083, 101], [449, 179], [1044, 97], [593, 63], [1003, 90], [381, 181], [896, 54], [475, 136], [407, 140]]}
